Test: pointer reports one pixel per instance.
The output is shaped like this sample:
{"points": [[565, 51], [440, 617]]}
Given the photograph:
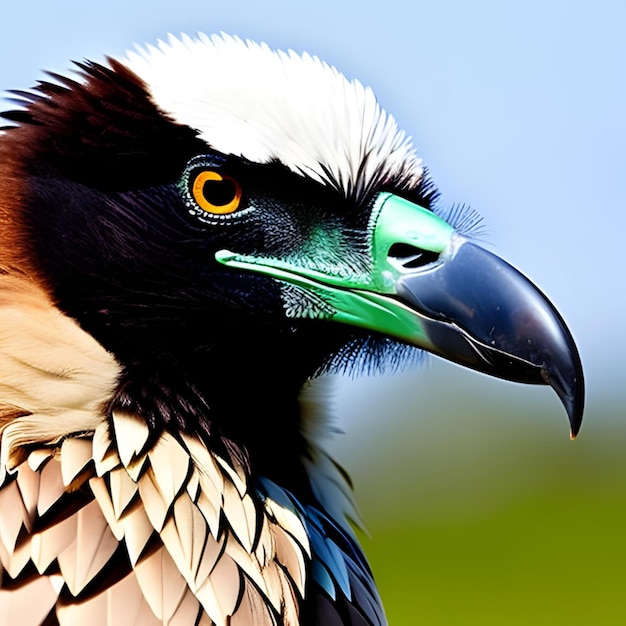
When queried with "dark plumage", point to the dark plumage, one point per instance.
{"points": [[189, 237]]}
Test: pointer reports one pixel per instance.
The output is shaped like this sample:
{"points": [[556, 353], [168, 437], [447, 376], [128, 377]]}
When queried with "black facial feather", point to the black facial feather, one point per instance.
{"points": [[426, 193], [103, 131], [122, 254]]}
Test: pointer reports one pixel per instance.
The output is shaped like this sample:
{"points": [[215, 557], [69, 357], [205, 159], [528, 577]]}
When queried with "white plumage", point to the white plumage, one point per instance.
{"points": [[248, 100]]}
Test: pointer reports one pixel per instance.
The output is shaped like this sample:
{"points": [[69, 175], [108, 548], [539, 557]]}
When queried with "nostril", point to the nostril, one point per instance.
{"points": [[411, 257]]}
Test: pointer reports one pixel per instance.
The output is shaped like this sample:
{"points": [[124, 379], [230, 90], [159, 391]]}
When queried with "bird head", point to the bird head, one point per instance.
{"points": [[210, 197]]}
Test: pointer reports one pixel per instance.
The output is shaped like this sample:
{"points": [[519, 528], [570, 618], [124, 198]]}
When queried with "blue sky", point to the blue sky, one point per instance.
{"points": [[517, 107]]}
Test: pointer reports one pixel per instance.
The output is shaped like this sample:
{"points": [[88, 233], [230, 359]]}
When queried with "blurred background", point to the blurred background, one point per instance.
{"points": [[479, 508]]}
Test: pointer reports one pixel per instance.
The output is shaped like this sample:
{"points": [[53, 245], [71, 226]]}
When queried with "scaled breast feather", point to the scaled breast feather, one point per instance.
{"points": [[94, 509]]}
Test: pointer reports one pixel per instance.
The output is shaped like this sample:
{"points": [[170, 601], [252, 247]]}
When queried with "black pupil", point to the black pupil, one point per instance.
{"points": [[219, 192]]}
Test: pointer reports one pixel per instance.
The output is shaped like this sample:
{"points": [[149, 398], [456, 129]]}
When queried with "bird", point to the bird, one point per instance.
{"points": [[196, 238]]}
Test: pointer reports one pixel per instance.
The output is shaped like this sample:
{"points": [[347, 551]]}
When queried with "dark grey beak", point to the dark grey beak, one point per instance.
{"points": [[493, 319]]}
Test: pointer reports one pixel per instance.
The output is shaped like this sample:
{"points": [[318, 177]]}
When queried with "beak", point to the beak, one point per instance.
{"points": [[431, 288], [493, 319]]}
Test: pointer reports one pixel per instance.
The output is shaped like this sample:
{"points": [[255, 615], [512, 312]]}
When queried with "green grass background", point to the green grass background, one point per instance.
{"points": [[479, 508]]}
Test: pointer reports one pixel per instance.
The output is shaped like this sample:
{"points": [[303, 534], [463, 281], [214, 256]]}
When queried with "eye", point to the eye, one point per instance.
{"points": [[216, 193], [212, 191]]}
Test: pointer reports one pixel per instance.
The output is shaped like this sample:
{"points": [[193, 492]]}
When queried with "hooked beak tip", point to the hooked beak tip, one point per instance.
{"points": [[575, 419], [572, 394]]}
